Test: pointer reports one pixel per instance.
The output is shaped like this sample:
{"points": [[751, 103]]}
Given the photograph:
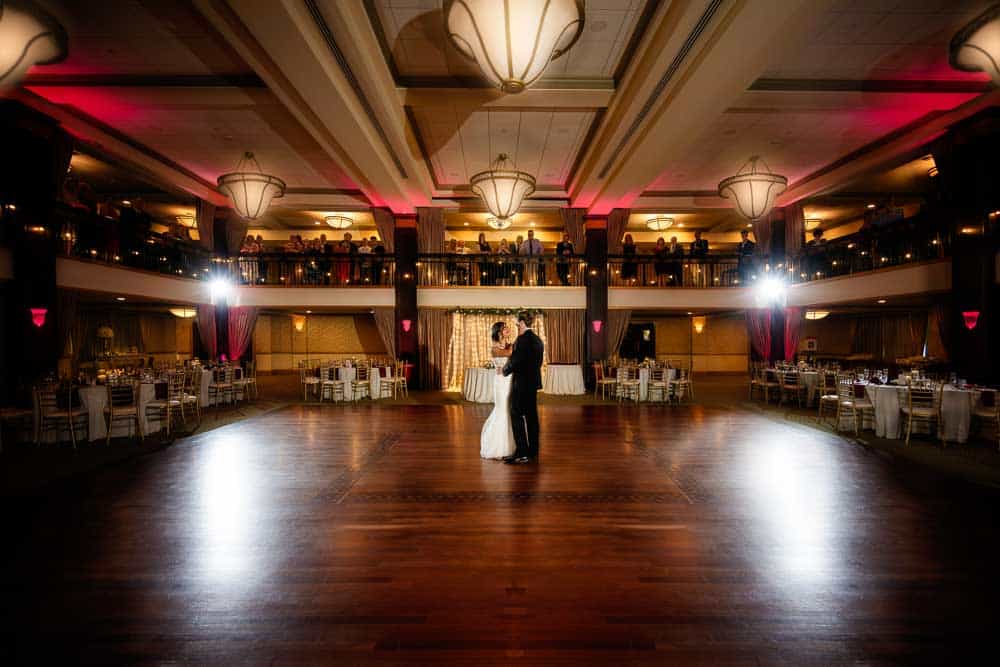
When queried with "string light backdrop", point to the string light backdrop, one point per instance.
{"points": [[471, 346]]}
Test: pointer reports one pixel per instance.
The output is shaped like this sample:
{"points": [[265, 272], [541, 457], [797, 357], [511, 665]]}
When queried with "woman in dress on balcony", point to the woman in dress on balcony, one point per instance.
{"points": [[628, 263], [661, 261], [485, 267]]}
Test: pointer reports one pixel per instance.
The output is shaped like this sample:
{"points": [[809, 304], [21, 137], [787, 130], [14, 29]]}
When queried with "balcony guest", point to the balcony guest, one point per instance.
{"points": [[533, 250], [676, 253], [345, 263], [260, 249], [699, 247], [744, 254], [517, 267], [378, 260], [661, 261], [564, 250], [503, 265], [364, 261], [485, 266], [628, 263], [817, 238]]}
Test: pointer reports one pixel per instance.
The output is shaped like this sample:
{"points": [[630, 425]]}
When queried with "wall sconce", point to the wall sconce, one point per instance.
{"points": [[407, 325], [38, 316], [597, 326], [698, 323], [299, 322], [971, 318]]}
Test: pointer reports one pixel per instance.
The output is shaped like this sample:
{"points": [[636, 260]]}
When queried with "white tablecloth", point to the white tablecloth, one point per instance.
{"points": [[644, 380], [347, 374], [206, 379], [95, 400], [566, 379], [477, 385], [956, 412], [886, 400], [809, 380]]}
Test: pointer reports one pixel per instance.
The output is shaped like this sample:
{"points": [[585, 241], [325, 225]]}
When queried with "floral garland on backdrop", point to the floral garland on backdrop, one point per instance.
{"points": [[470, 338]]}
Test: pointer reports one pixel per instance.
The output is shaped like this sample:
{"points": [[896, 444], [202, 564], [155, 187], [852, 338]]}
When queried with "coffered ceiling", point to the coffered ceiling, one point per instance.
{"points": [[365, 103]]}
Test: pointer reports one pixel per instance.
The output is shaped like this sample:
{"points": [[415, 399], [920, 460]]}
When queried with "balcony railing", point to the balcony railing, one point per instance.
{"points": [[312, 270], [482, 270], [156, 253], [648, 271]]}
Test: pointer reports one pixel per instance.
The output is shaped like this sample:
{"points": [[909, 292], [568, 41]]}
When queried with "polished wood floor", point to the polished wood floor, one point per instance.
{"points": [[376, 534]]}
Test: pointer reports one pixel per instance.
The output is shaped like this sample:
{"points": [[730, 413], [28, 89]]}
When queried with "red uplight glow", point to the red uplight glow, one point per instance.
{"points": [[597, 325], [38, 316], [407, 325], [971, 318]]}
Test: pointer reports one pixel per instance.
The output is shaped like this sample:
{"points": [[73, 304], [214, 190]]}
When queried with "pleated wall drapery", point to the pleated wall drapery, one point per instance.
{"points": [[159, 333], [206, 329], [206, 225], [433, 339], [565, 331], [618, 321], [385, 223], [471, 346], [430, 229], [939, 313], [762, 233], [67, 309], [793, 330], [795, 230], [573, 223], [759, 331], [242, 320], [385, 322], [617, 220]]}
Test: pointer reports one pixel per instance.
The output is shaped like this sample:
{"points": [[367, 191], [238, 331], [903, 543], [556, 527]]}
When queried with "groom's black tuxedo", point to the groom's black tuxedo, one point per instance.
{"points": [[525, 364]]}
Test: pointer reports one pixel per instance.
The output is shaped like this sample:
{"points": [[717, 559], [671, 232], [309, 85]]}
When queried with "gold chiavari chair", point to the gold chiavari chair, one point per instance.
{"points": [[122, 406], [923, 406], [191, 392], [308, 380], [828, 396], [330, 385], [628, 384], [361, 385], [165, 409], [52, 415], [790, 385], [986, 411], [656, 389], [681, 387], [602, 383]]}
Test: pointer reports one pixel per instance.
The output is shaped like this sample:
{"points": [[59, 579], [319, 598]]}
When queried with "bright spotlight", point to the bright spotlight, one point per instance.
{"points": [[770, 292], [220, 289]]}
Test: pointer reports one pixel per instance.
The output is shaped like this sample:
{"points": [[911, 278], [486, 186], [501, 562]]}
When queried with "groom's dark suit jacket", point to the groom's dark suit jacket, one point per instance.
{"points": [[525, 364]]}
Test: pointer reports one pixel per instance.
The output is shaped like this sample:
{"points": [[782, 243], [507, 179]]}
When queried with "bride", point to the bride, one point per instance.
{"points": [[497, 439]]}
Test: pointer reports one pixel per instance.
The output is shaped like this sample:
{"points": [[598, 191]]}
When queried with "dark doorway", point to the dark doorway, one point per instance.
{"points": [[639, 342]]}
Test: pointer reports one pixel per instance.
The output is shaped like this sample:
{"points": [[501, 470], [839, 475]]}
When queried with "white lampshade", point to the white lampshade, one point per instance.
{"points": [[976, 47], [753, 189], [502, 188], [250, 191], [183, 313], [499, 223], [338, 221], [659, 223], [513, 41], [28, 36]]}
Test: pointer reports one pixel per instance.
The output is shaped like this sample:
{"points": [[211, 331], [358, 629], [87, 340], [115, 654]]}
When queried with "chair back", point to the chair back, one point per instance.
{"points": [[598, 371], [845, 389], [923, 397], [790, 378], [362, 372], [121, 394]]}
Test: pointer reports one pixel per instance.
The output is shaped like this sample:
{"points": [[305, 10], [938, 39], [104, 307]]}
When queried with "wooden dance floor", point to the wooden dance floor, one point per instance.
{"points": [[375, 533]]}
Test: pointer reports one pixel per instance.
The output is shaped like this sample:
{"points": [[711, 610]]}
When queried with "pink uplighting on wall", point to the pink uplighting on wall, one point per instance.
{"points": [[38, 316]]}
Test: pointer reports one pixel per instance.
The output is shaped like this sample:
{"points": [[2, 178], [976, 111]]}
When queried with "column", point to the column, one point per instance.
{"points": [[596, 273], [406, 251]]}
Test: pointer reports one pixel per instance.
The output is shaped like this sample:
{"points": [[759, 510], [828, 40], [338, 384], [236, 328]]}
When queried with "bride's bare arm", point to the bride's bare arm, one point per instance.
{"points": [[501, 351]]}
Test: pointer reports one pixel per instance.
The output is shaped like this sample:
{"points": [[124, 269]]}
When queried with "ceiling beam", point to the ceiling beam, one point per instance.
{"points": [[109, 141], [490, 98]]}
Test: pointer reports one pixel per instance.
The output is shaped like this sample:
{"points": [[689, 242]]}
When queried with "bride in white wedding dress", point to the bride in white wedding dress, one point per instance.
{"points": [[497, 438]]}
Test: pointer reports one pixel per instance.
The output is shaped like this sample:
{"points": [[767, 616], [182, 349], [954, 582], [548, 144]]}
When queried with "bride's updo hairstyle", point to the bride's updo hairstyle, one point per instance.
{"points": [[497, 331]]}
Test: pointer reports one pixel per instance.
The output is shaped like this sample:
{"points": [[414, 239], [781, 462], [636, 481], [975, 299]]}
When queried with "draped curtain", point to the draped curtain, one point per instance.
{"points": [[762, 232], [127, 332], [433, 338], [573, 223], [66, 316], [617, 326], [795, 229], [149, 332], [471, 344], [565, 329], [206, 329], [242, 320], [793, 330], [759, 330], [385, 223], [430, 229], [159, 333], [385, 322], [939, 313], [617, 220], [206, 224]]}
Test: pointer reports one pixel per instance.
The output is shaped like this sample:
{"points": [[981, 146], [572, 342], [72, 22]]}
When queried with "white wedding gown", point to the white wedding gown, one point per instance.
{"points": [[497, 438]]}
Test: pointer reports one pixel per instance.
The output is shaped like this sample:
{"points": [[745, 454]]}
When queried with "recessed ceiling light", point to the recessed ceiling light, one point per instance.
{"points": [[871, 205], [881, 301], [119, 298], [126, 202], [531, 224], [316, 222], [680, 224], [309, 312], [466, 223]]}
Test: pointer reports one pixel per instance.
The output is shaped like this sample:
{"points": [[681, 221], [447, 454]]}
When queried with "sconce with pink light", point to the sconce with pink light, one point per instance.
{"points": [[38, 316], [971, 318], [597, 324], [407, 325]]}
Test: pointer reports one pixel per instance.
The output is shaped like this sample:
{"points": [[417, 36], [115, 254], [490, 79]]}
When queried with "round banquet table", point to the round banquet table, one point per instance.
{"points": [[886, 400], [564, 379], [477, 385], [671, 374], [348, 373], [93, 399], [809, 380], [956, 412]]}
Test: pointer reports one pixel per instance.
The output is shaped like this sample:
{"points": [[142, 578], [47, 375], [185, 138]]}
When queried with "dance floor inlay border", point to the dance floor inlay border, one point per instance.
{"points": [[374, 533]]}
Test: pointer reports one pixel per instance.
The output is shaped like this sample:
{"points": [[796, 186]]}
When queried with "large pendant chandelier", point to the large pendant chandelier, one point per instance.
{"points": [[250, 191], [659, 223], [513, 41], [28, 36], [976, 47], [499, 223], [338, 221], [753, 189], [502, 187]]}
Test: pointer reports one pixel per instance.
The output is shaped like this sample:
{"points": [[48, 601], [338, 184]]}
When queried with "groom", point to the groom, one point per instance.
{"points": [[525, 364]]}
